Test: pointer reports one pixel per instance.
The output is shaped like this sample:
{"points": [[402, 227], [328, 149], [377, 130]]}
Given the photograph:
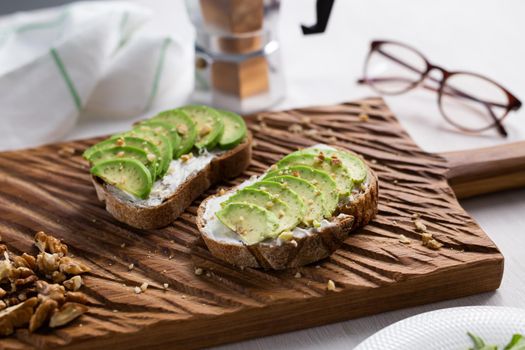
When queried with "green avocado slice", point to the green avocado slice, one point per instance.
{"points": [[118, 152], [234, 129], [284, 193], [320, 179], [309, 193], [127, 174], [338, 172], [252, 222], [161, 141], [152, 151], [185, 126], [209, 125], [164, 128], [287, 218], [355, 165]]}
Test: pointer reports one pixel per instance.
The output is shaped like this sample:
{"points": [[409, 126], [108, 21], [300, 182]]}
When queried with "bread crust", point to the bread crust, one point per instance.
{"points": [[299, 251], [228, 165]]}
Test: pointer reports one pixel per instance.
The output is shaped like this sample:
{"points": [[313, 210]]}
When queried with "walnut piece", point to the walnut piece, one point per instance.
{"points": [[49, 244], [76, 297], [25, 260], [67, 313], [50, 291], [74, 283], [42, 313], [58, 277], [72, 267], [16, 316], [28, 300], [47, 263]]}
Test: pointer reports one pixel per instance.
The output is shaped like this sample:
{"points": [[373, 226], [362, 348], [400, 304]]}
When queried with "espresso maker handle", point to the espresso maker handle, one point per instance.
{"points": [[323, 8]]}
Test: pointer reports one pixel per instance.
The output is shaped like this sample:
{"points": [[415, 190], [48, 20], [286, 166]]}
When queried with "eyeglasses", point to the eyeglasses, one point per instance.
{"points": [[469, 101]]}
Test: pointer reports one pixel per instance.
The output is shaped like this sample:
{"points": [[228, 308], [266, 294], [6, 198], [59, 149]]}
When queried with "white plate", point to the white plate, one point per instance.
{"points": [[447, 329]]}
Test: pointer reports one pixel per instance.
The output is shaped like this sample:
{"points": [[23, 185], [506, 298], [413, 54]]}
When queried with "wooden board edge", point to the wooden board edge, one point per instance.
{"points": [[465, 280]]}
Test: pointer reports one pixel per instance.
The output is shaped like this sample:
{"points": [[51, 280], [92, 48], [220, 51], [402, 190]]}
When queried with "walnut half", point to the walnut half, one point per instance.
{"points": [[49, 244], [67, 313], [16, 316]]}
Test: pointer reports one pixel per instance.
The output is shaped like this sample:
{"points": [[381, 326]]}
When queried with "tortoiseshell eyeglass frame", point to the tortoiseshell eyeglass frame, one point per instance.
{"points": [[513, 102]]}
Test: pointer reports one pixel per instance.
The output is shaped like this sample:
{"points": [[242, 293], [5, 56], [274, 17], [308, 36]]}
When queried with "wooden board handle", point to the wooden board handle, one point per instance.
{"points": [[486, 170]]}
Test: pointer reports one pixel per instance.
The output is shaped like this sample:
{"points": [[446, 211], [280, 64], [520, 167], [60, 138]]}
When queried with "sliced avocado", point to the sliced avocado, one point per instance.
{"points": [[186, 128], [310, 195], [165, 128], [152, 151], [252, 222], [287, 218], [320, 179], [338, 172], [209, 125], [129, 175], [125, 152], [162, 142], [234, 129], [284, 193], [355, 165]]}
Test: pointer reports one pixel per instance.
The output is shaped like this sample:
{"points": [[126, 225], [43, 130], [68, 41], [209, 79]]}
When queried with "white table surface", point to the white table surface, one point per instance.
{"points": [[481, 36]]}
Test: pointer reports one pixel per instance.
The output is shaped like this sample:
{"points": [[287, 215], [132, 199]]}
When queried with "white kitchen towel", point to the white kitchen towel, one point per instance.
{"points": [[88, 57]]}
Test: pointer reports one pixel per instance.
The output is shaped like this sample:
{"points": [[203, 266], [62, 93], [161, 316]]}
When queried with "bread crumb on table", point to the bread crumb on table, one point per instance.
{"points": [[403, 239], [426, 237], [420, 226], [363, 117], [330, 285], [433, 244], [298, 275], [198, 271]]}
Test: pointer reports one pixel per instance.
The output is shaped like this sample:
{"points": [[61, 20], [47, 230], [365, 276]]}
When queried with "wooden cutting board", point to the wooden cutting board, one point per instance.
{"points": [[46, 189]]}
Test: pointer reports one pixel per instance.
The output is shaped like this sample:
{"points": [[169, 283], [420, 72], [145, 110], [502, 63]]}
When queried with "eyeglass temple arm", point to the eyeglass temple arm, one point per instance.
{"points": [[499, 126]]}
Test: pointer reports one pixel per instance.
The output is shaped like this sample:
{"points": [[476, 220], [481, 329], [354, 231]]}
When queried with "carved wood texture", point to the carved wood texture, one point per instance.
{"points": [[373, 272]]}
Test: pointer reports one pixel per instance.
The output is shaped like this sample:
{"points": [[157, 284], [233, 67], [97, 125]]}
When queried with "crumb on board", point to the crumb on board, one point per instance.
{"points": [[165, 286], [66, 151], [198, 271], [403, 239], [425, 238], [330, 285], [433, 244], [144, 287], [131, 266], [363, 117], [420, 226], [295, 128], [298, 275]]}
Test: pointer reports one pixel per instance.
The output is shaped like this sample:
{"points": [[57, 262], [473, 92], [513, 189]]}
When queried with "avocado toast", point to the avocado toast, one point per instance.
{"points": [[296, 213], [149, 175]]}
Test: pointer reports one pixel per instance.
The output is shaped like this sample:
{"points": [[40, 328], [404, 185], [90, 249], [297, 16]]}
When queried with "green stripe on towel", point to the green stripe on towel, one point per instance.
{"points": [[158, 73], [67, 79]]}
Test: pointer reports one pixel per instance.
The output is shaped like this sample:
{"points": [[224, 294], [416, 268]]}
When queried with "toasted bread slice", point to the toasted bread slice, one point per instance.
{"points": [[224, 165], [277, 253]]}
